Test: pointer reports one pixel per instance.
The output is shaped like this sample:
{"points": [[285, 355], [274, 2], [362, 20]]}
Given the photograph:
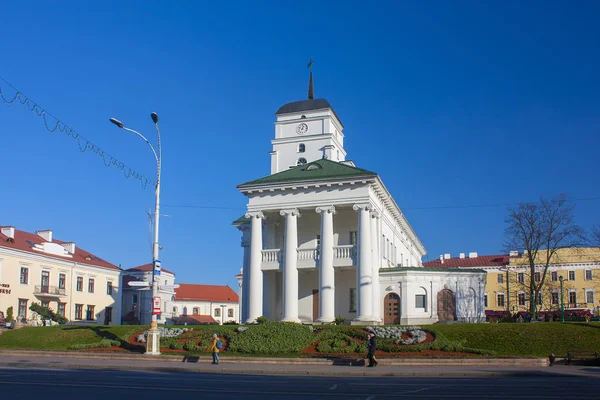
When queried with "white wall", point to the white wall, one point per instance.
{"points": [[208, 308]]}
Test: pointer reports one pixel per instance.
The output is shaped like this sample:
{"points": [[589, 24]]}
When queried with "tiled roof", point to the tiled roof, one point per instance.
{"points": [[306, 105], [241, 220], [24, 241], [316, 170], [428, 269], [475, 262], [147, 268], [188, 291], [195, 320]]}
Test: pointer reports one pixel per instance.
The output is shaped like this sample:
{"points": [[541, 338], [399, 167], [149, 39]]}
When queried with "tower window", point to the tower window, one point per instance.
{"points": [[301, 161], [301, 148]]}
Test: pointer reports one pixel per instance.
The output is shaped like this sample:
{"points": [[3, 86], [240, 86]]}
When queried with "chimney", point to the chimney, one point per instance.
{"points": [[441, 258], [46, 235], [514, 253], [473, 254], [447, 256], [462, 255], [8, 231], [70, 247]]}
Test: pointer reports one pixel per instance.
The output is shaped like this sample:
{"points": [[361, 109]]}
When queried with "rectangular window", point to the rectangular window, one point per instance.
{"points": [[45, 304], [573, 297], [500, 300], [500, 278], [164, 307], [521, 277], [23, 308], [353, 237], [538, 276], [91, 286], [62, 281], [195, 311], [554, 298], [109, 288], [134, 299], [79, 311], [108, 315], [588, 274], [80, 283], [61, 309], [539, 298], [589, 297], [383, 247], [554, 276], [352, 300], [217, 312], [571, 275], [89, 313], [485, 300], [230, 313], [24, 275], [420, 301], [521, 299]]}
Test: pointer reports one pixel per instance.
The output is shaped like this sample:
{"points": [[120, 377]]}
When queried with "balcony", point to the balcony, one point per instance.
{"points": [[49, 291], [343, 256]]}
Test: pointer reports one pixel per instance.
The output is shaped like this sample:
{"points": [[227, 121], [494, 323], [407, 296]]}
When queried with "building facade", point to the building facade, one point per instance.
{"points": [[137, 301], [37, 268], [205, 304], [324, 239]]}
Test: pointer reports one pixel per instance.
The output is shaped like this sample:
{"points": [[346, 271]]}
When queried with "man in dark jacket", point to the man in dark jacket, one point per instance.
{"points": [[371, 347]]}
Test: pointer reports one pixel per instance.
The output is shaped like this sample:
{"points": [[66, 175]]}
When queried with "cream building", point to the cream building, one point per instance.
{"points": [[35, 267], [137, 301], [204, 304], [323, 238]]}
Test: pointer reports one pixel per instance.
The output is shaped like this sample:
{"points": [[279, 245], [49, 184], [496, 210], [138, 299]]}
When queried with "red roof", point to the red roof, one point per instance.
{"points": [[195, 320], [475, 262], [187, 291], [148, 268], [24, 241]]}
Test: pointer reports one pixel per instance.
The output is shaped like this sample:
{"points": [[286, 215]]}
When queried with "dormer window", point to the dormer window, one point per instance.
{"points": [[301, 161], [301, 148]]}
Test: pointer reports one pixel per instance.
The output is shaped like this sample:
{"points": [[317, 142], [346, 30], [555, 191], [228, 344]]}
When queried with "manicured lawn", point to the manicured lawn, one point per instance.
{"points": [[525, 339]]}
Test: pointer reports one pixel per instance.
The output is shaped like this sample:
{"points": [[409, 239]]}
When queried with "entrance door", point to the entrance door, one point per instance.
{"points": [[446, 305], [315, 304], [391, 309], [45, 281]]}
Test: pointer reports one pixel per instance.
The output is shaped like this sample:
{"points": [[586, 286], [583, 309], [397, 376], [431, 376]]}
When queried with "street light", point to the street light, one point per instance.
{"points": [[562, 302], [152, 344]]}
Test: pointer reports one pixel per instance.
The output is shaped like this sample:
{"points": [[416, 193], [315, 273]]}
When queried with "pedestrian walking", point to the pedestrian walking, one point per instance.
{"points": [[372, 347], [216, 346]]}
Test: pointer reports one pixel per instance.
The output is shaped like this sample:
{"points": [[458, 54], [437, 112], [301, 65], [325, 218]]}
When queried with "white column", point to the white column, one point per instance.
{"points": [[243, 304], [326, 272], [375, 263], [290, 270], [253, 283], [364, 283]]}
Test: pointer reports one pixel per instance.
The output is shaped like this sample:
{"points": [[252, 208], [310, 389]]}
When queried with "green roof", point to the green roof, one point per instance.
{"points": [[241, 220], [320, 169], [428, 269]]}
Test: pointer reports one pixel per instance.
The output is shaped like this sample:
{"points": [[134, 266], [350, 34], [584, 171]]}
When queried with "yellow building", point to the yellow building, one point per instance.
{"points": [[35, 267]]}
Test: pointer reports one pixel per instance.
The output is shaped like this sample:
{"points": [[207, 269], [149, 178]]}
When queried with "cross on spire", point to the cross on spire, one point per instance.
{"points": [[311, 89]]}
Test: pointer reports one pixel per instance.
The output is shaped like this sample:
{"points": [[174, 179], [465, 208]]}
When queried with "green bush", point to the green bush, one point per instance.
{"points": [[262, 320], [272, 338], [46, 313], [9, 314], [340, 320], [101, 344]]}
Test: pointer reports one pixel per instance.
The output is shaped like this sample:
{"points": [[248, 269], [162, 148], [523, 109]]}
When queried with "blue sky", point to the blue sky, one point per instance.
{"points": [[452, 103]]}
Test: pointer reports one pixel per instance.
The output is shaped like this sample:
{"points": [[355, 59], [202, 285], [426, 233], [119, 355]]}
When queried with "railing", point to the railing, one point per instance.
{"points": [[346, 251], [50, 290], [308, 254], [273, 255]]}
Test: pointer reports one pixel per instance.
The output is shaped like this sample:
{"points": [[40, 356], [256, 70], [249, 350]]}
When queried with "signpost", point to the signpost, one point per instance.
{"points": [[156, 305]]}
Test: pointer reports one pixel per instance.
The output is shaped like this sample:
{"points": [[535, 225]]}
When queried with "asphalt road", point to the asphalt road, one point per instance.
{"points": [[93, 384]]}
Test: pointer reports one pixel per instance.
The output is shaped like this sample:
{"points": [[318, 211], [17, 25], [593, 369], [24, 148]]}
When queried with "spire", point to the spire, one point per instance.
{"points": [[311, 89]]}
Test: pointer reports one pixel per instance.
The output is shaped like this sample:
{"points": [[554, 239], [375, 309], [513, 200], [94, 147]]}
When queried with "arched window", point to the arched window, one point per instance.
{"points": [[196, 311], [174, 309], [301, 148], [301, 161]]}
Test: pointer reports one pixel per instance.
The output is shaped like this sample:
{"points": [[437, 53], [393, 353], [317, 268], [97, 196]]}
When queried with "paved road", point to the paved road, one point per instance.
{"points": [[93, 384]]}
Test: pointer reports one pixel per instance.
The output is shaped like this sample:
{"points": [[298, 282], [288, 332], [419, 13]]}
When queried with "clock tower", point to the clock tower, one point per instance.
{"points": [[305, 131]]}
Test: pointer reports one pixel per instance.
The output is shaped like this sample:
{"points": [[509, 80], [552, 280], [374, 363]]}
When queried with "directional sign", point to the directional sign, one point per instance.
{"points": [[170, 287], [157, 267], [139, 283]]}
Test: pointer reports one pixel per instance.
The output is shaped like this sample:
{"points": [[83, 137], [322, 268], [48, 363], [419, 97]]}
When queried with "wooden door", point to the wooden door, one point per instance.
{"points": [[391, 309], [446, 305], [315, 304], [45, 281]]}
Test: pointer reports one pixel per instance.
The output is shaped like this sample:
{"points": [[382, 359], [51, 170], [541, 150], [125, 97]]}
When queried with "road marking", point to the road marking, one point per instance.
{"points": [[333, 387]]}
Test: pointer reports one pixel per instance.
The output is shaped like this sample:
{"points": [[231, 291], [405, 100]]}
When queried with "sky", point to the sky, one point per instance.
{"points": [[461, 107]]}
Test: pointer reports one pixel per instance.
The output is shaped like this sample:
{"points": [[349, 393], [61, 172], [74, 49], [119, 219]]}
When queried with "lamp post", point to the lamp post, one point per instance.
{"points": [[153, 341], [562, 302]]}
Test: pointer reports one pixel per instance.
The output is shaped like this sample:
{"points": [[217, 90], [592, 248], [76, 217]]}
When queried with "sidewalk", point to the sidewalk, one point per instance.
{"points": [[270, 366]]}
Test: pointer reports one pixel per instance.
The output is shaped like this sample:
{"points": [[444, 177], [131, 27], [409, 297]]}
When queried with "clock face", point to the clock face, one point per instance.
{"points": [[302, 129]]}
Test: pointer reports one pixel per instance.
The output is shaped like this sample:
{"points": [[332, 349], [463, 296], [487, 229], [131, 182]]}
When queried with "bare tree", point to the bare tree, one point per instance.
{"points": [[596, 236], [539, 230]]}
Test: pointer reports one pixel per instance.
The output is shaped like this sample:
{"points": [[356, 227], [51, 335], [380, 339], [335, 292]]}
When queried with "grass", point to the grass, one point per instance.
{"points": [[503, 340]]}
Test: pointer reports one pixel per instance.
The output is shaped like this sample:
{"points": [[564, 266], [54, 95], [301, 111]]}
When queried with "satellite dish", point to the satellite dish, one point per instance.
{"points": [[138, 283]]}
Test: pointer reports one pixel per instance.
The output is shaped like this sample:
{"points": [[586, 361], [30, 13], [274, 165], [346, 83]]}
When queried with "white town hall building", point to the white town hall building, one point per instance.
{"points": [[323, 238]]}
